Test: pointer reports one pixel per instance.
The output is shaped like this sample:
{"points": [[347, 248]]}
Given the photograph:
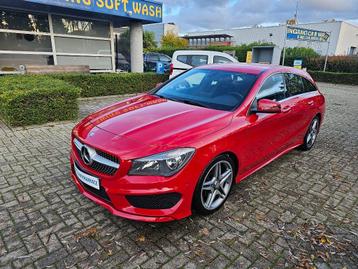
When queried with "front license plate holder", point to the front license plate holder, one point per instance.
{"points": [[87, 179]]}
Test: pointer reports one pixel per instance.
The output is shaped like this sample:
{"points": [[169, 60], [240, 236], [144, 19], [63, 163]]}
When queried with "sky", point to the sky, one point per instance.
{"points": [[193, 15]]}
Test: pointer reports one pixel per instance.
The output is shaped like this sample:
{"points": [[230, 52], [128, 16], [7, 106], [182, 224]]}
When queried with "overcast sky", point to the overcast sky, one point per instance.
{"points": [[191, 15]]}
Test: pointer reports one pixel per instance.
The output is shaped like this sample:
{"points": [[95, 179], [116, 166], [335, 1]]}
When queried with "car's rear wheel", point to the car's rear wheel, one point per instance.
{"points": [[214, 185], [311, 135]]}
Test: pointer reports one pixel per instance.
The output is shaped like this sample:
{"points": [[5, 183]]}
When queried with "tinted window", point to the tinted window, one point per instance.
{"points": [[197, 60], [24, 21], [25, 42], [183, 59], [70, 26], [294, 84], [163, 58], [273, 88], [221, 60], [214, 89], [309, 87], [152, 57], [193, 60], [10, 62]]}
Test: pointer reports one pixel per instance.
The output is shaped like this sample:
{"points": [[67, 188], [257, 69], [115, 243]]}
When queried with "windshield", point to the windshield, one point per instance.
{"points": [[213, 89]]}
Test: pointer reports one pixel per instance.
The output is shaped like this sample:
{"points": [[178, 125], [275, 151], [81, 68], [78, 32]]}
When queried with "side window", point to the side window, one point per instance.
{"points": [[273, 88], [197, 60], [294, 84], [193, 60], [183, 59], [153, 57], [221, 60], [309, 87]]}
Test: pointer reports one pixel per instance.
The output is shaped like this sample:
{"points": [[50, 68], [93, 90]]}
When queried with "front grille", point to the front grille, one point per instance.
{"points": [[161, 201], [103, 162], [101, 193]]}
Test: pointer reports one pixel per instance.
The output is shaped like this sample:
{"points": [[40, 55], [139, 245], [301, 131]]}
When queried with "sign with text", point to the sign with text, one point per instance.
{"points": [[297, 63], [136, 9], [306, 34]]}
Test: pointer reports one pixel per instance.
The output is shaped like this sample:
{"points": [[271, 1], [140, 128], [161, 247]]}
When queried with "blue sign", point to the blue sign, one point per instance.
{"points": [[135, 9], [306, 34], [160, 68]]}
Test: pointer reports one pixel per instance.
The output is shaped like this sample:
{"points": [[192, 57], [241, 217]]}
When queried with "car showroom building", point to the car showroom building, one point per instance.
{"points": [[71, 32]]}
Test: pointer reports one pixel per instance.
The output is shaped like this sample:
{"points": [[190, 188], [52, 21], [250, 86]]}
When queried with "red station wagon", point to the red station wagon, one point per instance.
{"points": [[179, 149]]}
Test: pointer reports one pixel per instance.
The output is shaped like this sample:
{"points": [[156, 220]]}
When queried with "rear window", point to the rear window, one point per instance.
{"points": [[163, 58], [193, 60]]}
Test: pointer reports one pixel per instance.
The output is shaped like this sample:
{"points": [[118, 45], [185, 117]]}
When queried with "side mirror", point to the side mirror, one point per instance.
{"points": [[268, 106]]}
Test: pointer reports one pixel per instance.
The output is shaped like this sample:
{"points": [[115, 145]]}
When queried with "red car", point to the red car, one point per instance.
{"points": [[161, 155]]}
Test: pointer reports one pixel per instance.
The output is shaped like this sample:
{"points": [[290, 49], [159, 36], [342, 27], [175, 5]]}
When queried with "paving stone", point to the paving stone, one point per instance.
{"points": [[41, 211]]}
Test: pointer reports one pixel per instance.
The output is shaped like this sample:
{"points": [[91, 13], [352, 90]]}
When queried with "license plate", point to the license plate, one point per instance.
{"points": [[87, 179]]}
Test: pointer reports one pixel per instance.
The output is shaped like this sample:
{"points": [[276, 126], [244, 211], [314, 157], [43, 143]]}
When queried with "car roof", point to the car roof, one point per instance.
{"points": [[255, 69]]}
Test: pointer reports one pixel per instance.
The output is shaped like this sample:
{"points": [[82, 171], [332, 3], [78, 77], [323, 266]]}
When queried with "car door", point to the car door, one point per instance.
{"points": [[267, 134], [300, 103]]}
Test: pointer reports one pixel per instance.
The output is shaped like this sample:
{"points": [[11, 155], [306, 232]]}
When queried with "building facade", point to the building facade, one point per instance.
{"points": [[160, 29], [343, 37], [71, 32]]}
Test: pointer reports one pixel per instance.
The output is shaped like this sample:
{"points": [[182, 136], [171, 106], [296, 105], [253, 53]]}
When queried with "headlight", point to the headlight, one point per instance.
{"points": [[163, 164]]}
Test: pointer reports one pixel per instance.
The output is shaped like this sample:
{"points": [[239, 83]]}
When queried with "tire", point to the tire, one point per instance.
{"points": [[210, 187], [311, 135]]}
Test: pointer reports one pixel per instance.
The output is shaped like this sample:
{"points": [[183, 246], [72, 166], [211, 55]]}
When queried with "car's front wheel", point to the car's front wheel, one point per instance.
{"points": [[214, 185], [311, 135]]}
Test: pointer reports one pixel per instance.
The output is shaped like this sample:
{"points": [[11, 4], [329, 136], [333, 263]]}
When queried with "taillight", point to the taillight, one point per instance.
{"points": [[171, 69]]}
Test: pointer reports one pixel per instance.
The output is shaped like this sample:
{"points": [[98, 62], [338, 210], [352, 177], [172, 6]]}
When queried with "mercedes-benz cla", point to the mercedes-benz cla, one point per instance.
{"points": [[180, 148]]}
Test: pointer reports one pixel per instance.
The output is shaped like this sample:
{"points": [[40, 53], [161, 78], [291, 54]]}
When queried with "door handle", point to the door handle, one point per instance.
{"points": [[310, 103], [286, 109]]}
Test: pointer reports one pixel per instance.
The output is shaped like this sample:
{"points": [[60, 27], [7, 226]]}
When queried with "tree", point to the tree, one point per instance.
{"points": [[171, 40], [149, 40]]}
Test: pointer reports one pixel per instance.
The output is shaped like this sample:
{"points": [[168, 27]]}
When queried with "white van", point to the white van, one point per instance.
{"points": [[186, 59]]}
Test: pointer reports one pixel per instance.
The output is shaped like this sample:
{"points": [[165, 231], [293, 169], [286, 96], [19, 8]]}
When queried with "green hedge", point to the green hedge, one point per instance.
{"points": [[112, 84], [342, 64], [336, 78], [27, 100]]}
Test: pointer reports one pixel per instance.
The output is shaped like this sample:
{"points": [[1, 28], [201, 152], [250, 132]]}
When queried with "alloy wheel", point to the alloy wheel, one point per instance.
{"points": [[216, 185], [312, 133]]}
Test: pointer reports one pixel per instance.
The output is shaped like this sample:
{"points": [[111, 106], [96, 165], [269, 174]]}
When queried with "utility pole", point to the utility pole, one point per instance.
{"points": [[326, 59], [296, 13]]}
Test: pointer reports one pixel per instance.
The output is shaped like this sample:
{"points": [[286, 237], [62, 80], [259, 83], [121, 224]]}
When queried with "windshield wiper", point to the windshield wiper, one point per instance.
{"points": [[168, 98], [189, 102]]}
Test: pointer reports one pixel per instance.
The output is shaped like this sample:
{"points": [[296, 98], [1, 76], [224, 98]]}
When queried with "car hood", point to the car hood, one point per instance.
{"points": [[147, 119]]}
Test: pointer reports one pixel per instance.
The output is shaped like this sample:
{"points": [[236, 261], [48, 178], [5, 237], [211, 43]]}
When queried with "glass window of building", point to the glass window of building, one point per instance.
{"points": [[74, 26], [95, 63], [10, 62], [15, 20], [25, 42], [79, 45]]}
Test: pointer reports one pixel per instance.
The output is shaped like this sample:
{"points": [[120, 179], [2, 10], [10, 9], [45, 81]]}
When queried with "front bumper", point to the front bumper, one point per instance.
{"points": [[115, 191]]}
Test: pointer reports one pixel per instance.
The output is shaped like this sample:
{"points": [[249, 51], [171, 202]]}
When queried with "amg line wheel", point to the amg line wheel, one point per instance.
{"points": [[311, 135], [214, 186]]}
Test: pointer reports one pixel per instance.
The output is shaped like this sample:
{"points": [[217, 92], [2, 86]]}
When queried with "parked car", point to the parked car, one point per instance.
{"points": [[122, 63], [186, 59], [151, 59], [158, 156]]}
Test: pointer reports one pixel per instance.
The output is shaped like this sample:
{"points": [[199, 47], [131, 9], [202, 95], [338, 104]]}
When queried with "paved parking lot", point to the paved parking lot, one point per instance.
{"points": [[299, 211]]}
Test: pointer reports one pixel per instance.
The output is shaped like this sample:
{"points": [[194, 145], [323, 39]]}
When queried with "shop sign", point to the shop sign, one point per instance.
{"points": [[136, 9]]}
